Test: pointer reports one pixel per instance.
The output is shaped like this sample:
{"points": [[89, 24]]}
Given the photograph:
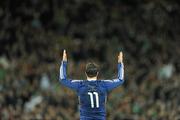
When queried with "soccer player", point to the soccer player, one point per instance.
{"points": [[92, 93]]}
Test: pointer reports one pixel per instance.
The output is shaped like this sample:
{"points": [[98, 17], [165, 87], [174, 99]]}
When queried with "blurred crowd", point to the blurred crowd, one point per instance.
{"points": [[33, 34]]}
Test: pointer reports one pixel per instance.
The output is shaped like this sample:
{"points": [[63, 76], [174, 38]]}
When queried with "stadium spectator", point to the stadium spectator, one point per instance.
{"points": [[33, 33]]}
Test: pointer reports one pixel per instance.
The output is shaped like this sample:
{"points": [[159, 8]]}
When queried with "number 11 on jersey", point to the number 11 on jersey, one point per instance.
{"points": [[91, 95]]}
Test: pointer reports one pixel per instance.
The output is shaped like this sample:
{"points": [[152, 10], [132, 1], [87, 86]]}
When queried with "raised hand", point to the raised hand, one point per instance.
{"points": [[64, 56], [120, 57]]}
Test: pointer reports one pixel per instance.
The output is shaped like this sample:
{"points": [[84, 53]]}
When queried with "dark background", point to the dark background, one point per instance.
{"points": [[33, 34]]}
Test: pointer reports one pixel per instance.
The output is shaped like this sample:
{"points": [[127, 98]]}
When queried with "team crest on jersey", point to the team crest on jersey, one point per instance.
{"points": [[91, 88]]}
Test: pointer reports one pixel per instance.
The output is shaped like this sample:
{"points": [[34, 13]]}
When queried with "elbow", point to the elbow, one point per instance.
{"points": [[61, 79], [122, 81]]}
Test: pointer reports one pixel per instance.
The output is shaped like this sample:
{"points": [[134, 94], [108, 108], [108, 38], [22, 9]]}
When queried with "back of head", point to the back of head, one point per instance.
{"points": [[92, 70]]}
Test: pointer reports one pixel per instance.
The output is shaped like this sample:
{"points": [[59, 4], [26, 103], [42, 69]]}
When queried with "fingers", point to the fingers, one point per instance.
{"points": [[64, 51], [120, 57], [64, 55]]}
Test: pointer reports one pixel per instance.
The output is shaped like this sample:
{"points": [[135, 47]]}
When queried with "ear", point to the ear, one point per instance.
{"points": [[86, 74], [97, 74]]}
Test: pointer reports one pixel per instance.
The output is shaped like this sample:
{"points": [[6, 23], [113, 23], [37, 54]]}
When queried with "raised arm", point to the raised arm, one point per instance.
{"points": [[111, 84], [73, 84]]}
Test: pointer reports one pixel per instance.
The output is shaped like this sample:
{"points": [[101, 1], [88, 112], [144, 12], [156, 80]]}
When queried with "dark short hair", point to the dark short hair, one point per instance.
{"points": [[92, 69]]}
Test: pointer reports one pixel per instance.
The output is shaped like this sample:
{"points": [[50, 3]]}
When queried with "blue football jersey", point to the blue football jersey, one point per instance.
{"points": [[92, 93]]}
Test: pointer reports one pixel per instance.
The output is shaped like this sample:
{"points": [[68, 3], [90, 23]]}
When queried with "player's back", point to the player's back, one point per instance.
{"points": [[92, 93], [92, 100]]}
